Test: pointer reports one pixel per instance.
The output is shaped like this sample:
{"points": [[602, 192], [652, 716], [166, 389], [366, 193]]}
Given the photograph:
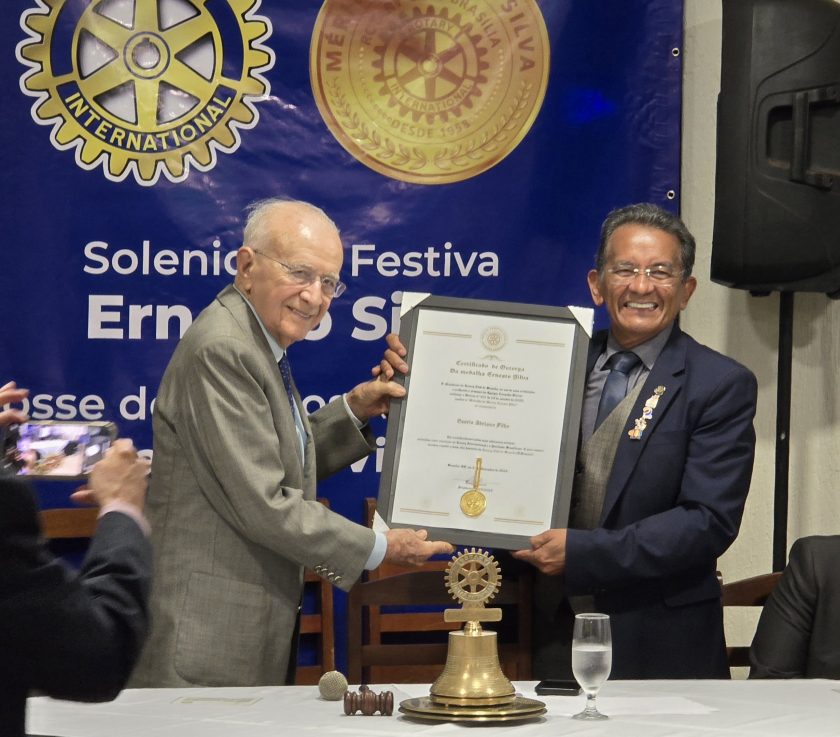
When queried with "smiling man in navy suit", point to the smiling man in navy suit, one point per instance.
{"points": [[664, 467]]}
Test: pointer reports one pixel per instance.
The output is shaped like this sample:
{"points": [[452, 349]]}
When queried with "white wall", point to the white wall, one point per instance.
{"points": [[746, 328]]}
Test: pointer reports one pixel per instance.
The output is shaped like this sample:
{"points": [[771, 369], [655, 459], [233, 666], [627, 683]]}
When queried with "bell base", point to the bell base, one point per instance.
{"points": [[472, 700], [520, 710], [472, 674]]}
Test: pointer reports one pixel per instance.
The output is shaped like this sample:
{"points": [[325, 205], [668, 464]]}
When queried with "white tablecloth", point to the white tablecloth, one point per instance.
{"points": [[799, 708]]}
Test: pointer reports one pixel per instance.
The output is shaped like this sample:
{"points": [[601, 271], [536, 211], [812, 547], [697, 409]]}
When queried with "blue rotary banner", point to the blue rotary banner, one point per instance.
{"points": [[464, 147]]}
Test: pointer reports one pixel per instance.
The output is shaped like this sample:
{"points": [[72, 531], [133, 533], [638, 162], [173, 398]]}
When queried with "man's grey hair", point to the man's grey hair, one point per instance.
{"points": [[651, 216], [256, 233]]}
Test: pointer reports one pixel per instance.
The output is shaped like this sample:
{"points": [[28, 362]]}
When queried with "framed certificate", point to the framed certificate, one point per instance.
{"points": [[481, 451]]}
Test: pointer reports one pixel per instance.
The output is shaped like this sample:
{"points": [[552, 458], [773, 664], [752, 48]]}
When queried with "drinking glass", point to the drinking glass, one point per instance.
{"points": [[591, 658]]}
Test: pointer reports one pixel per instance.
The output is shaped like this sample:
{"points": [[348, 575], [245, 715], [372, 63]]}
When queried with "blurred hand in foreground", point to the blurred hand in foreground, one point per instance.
{"points": [[9, 394], [121, 475]]}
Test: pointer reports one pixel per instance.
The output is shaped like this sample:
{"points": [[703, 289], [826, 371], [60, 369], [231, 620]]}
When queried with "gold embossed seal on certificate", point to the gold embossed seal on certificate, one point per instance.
{"points": [[474, 502], [429, 91]]}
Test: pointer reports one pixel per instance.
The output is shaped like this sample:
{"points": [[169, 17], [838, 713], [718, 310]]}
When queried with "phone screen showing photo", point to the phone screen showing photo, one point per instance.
{"points": [[56, 449]]}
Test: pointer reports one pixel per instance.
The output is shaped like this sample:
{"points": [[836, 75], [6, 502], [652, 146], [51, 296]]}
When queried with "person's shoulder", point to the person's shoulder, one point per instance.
{"points": [[223, 319], [713, 362], [817, 545]]}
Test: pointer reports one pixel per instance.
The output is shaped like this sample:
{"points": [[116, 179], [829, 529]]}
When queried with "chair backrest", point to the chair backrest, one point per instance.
{"points": [[396, 631], [69, 523], [317, 626], [752, 592]]}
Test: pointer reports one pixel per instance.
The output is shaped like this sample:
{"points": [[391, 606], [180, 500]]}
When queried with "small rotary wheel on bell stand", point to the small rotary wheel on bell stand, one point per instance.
{"points": [[473, 578]]}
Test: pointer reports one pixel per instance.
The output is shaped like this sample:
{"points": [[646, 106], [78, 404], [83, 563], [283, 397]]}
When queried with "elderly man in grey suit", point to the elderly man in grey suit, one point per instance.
{"points": [[236, 459]]}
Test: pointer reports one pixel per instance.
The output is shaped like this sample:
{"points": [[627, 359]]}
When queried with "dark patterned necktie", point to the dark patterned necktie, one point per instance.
{"points": [[615, 387], [286, 373]]}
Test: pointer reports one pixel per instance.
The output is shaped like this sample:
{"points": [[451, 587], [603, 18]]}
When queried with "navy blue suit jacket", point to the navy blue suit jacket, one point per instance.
{"points": [[673, 504], [66, 634]]}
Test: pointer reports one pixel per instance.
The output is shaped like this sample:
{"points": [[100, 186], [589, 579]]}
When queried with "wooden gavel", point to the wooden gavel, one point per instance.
{"points": [[368, 702]]}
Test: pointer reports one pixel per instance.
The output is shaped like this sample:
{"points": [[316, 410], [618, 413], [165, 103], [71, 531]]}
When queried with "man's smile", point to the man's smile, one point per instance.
{"points": [[303, 315], [641, 305]]}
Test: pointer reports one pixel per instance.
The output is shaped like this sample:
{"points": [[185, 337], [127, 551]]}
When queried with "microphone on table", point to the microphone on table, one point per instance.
{"points": [[332, 686]]}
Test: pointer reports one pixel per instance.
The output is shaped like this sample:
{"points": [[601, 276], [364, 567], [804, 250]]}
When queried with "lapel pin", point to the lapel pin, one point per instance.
{"points": [[640, 424]]}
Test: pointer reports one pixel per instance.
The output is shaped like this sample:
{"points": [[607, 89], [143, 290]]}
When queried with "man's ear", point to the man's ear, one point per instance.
{"points": [[594, 280], [244, 266], [688, 289]]}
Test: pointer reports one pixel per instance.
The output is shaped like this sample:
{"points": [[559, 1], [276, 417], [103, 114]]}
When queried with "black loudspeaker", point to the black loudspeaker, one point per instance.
{"points": [[777, 187]]}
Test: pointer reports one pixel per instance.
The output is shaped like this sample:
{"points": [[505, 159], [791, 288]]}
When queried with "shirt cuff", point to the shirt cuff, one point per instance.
{"points": [[130, 510], [377, 555], [357, 422]]}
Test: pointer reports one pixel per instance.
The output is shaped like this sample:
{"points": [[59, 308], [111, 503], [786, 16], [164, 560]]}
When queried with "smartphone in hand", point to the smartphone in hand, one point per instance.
{"points": [[56, 450], [553, 687]]}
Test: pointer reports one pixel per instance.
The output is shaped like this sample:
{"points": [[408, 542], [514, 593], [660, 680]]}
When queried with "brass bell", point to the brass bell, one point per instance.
{"points": [[472, 687], [472, 675]]}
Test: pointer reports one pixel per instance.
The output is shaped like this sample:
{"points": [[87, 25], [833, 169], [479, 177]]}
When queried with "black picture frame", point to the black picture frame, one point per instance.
{"points": [[464, 532]]}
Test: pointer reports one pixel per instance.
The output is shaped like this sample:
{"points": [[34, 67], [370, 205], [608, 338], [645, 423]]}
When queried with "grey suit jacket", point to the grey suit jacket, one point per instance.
{"points": [[233, 511], [798, 634]]}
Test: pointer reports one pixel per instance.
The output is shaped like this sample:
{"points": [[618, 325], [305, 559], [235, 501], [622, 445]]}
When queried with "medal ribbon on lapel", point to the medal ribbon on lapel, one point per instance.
{"points": [[640, 424]]}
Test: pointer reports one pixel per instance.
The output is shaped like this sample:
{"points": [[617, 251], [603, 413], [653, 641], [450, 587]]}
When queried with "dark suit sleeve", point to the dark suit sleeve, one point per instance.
{"points": [[781, 643], [687, 508], [74, 636]]}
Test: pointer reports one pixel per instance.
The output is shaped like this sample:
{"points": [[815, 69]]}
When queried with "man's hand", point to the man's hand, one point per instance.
{"points": [[121, 476], [373, 398], [411, 548], [547, 553], [392, 361], [10, 393]]}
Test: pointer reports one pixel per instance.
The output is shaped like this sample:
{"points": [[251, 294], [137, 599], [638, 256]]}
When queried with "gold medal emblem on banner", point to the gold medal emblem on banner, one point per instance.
{"points": [[429, 91]]}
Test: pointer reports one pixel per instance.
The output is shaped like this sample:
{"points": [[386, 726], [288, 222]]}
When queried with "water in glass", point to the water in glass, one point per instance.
{"points": [[591, 658]]}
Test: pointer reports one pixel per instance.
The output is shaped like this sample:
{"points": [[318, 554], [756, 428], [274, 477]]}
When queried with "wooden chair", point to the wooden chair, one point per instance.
{"points": [[396, 631], [70, 523], [747, 592], [318, 626]]}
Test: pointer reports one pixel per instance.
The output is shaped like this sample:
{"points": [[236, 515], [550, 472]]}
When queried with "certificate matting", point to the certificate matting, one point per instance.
{"points": [[495, 383]]}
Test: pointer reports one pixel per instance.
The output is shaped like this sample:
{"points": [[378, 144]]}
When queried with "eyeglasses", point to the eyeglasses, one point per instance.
{"points": [[303, 276], [624, 274]]}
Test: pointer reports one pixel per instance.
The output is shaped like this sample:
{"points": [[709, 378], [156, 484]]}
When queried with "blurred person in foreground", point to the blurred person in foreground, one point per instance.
{"points": [[67, 634], [236, 459], [798, 633]]}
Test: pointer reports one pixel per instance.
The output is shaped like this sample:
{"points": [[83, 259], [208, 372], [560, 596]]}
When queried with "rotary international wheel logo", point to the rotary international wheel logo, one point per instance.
{"points": [[429, 91], [473, 576], [493, 339], [145, 87]]}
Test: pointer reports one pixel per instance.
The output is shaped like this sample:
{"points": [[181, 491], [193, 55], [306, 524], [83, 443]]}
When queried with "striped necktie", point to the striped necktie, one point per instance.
{"points": [[286, 373]]}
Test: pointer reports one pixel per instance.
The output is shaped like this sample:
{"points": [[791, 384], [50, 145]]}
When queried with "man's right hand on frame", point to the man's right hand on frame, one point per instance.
{"points": [[393, 359], [547, 553], [411, 548]]}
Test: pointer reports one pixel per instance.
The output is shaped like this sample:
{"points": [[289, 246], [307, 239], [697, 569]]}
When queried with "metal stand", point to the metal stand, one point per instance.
{"points": [[783, 393]]}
